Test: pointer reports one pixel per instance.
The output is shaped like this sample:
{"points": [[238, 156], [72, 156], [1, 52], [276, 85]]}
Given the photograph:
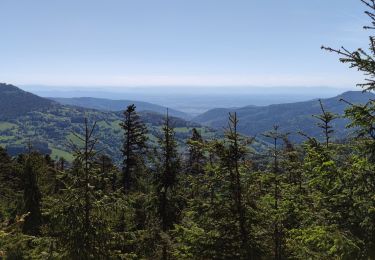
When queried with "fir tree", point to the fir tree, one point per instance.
{"points": [[235, 155], [326, 119], [275, 137], [32, 196], [166, 180], [80, 213], [134, 147], [196, 156], [362, 116]]}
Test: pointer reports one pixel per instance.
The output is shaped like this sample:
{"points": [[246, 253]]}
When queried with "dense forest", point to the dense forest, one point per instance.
{"points": [[218, 199]]}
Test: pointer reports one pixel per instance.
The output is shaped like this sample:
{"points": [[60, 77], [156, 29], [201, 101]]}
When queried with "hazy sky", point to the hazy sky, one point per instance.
{"points": [[178, 42]]}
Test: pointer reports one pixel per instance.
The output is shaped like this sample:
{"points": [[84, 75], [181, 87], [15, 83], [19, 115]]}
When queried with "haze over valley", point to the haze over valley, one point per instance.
{"points": [[194, 100]]}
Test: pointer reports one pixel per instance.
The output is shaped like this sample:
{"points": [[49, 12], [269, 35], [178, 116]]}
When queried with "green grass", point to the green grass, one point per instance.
{"points": [[57, 153], [116, 124], [6, 138], [183, 129], [103, 124], [6, 125], [72, 138]]}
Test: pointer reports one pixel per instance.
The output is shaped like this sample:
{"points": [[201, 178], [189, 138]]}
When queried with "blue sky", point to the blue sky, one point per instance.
{"points": [[178, 42]]}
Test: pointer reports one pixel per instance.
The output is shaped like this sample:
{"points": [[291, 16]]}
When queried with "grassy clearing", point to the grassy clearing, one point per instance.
{"points": [[116, 125], [6, 138], [72, 138], [57, 153], [103, 124], [6, 125], [183, 129]]}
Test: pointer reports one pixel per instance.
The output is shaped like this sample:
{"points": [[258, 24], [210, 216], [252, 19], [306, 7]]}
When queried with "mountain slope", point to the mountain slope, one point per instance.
{"points": [[16, 102], [117, 105], [291, 117], [50, 126]]}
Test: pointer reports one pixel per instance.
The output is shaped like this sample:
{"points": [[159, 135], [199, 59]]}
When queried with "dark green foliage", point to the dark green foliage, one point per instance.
{"points": [[325, 121], [233, 155], [166, 181], [79, 214], [34, 166], [196, 155], [134, 148]]}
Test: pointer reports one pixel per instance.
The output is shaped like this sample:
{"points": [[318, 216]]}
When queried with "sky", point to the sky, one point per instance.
{"points": [[130, 43]]}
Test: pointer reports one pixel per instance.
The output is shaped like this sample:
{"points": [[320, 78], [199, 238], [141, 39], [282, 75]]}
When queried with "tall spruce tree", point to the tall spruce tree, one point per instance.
{"points": [[32, 169], [275, 137], [362, 116], [108, 174], [10, 186], [235, 155], [196, 157], [166, 180], [81, 212], [362, 119], [133, 148], [220, 216], [325, 120]]}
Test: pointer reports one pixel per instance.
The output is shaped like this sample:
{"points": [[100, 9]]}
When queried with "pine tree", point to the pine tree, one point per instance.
{"points": [[167, 180], [363, 121], [236, 153], [276, 136], [11, 187], [81, 212], [32, 168], [361, 59], [362, 116], [7, 176], [134, 147], [326, 119], [196, 158], [108, 173]]}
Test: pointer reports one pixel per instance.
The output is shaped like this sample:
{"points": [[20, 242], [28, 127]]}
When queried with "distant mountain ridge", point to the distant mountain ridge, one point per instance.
{"points": [[291, 117], [117, 105]]}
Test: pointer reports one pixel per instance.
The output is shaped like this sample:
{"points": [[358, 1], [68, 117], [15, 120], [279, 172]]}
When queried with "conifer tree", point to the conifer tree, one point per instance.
{"points": [[362, 119], [362, 116], [196, 156], [167, 179], [220, 218], [108, 175], [32, 168], [276, 136], [81, 212], [61, 163], [325, 119], [236, 154], [10, 183], [133, 148], [362, 60]]}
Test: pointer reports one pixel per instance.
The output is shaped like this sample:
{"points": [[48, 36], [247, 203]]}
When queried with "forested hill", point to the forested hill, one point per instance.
{"points": [[50, 126], [291, 117], [117, 105], [15, 102]]}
